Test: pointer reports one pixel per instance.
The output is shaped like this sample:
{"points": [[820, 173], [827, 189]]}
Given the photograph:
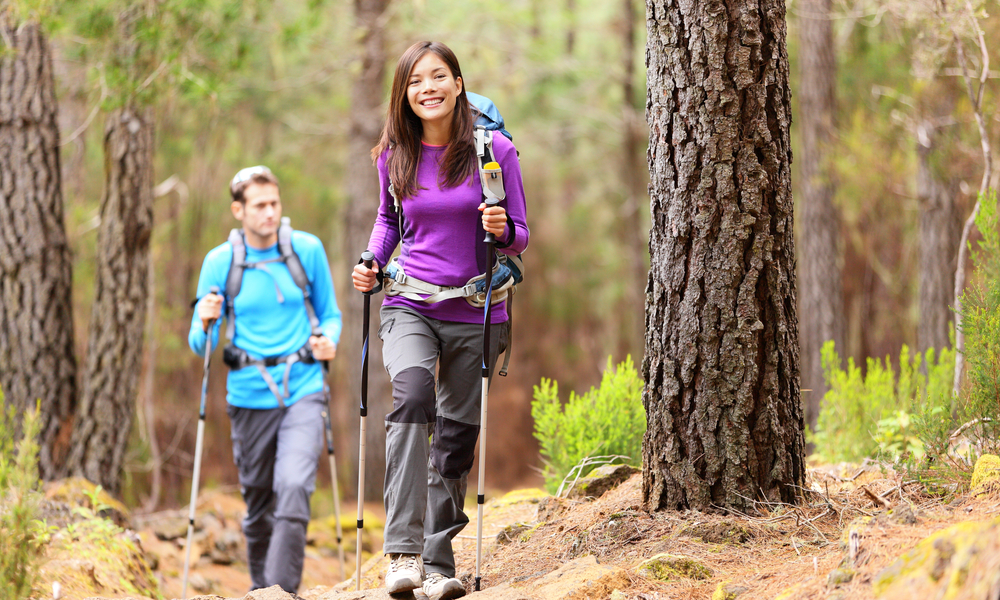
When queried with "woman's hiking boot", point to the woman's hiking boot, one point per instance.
{"points": [[439, 587], [406, 572]]}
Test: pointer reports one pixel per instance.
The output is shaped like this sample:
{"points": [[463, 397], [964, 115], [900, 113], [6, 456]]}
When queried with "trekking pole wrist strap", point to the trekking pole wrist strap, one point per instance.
{"points": [[509, 232]]}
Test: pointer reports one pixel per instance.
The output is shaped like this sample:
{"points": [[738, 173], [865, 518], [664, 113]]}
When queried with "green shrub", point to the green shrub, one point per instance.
{"points": [[609, 420], [19, 545], [981, 325], [882, 412]]}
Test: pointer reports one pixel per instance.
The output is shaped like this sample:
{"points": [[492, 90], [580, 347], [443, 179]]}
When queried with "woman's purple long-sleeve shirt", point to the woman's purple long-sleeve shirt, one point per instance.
{"points": [[443, 233]]}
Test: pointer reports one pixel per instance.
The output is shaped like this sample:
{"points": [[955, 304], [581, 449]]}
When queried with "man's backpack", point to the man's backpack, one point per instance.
{"points": [[237, 358]]}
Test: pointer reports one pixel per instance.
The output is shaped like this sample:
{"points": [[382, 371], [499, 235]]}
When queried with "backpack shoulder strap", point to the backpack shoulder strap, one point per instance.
{"points": [[490, 174], [234, 281], [297, 271], [397, 207]]}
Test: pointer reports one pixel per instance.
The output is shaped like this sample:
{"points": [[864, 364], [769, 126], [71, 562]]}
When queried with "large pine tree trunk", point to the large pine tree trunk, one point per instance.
{"points": [[367, 114], [821, 302], [721, 365], [117, 322], [37, 363], [940, 230]]}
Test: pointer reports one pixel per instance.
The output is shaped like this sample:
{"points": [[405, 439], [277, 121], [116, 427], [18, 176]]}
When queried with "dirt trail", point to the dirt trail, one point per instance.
{"points": [[853, 524]]}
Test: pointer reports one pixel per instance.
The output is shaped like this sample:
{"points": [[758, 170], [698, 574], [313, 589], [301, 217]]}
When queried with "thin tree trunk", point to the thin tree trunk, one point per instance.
{"points": [[633, 187], [821, 302], [37, 362], [976, 96], [571, 27], [117, 322], [367, 114], [147, 405], [939, 233], [721, 365]]}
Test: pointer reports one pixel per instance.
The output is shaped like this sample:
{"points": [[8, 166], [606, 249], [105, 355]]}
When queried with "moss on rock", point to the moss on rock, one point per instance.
{"points": [[672, 567], [727, 591], [516, 532], [856, 527], [839, 577], [723, 532], [77, 491], [986, 476], [962, 561], [95, 557], [600, 480]]}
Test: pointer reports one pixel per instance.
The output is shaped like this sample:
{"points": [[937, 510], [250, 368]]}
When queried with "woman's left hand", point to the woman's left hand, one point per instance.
{"points": [[494, 219]]}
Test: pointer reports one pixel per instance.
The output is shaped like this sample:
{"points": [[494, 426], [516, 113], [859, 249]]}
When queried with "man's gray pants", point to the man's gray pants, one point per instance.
{"points": [[426, 481], [276, 452]]}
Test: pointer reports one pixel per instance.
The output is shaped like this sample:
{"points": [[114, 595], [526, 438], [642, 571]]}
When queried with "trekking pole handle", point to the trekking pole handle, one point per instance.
{"points": [[368, 259], [213, 290], [491, 202]]}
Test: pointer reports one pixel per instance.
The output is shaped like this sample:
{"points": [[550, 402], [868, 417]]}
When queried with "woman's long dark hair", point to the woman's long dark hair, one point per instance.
{"points": [[403, 130]]}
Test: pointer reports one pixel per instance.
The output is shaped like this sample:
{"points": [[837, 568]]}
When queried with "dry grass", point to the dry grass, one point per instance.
{"points": [[769, 551]]}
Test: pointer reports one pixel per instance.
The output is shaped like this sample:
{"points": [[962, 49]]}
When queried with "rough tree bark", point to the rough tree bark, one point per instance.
{"points": [[37, 363], [367, 114], [821, 302], [721, 365], [940, 230], [117, 322]]}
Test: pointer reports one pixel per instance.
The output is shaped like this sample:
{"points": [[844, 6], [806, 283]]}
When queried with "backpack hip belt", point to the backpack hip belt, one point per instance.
{"points": [[398, 283], [237, 358]]}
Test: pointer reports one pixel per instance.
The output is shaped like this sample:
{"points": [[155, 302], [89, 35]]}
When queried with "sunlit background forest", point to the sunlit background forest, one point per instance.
{"points": [[277, 83]]}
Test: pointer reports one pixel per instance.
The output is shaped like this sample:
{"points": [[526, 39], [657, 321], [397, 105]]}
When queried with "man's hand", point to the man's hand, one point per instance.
{"points": [[322, 347], [209, 309]]}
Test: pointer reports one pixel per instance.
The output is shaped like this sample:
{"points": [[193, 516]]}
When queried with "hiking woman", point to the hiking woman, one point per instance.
{"points": [[428, 156]]}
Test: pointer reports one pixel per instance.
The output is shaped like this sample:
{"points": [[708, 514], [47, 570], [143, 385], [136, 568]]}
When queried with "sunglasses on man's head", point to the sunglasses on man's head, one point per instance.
{"points": [[247, 173]]}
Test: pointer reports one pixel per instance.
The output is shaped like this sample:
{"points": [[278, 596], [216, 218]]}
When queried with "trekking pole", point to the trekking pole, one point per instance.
{"points": [[487, 311], [333, 464], [197, 451], [367, 258]]}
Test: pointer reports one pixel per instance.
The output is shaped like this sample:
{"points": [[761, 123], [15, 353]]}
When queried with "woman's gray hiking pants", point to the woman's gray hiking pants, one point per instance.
{"points": [[425, 481], [277, 452]]}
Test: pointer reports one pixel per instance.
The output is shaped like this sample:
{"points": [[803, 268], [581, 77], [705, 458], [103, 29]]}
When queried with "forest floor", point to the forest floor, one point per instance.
{"points": [[854, 523]]}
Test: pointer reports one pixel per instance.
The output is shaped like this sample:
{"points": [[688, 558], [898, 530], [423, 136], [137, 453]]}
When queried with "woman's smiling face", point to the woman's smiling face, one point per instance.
{"points": [[432, 89]]}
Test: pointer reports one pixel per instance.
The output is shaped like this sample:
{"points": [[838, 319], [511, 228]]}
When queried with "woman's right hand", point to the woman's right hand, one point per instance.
{"points": [[364, 278]]}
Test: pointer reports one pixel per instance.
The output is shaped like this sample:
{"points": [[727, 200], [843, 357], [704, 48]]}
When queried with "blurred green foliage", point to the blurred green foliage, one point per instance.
{"points": [[608, 420], [981, 324], [20, 551], [911, 415], [878, 412]]}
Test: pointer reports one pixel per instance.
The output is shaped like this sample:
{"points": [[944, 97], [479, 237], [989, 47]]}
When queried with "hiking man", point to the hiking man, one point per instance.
{"points": [[281, 320]]}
